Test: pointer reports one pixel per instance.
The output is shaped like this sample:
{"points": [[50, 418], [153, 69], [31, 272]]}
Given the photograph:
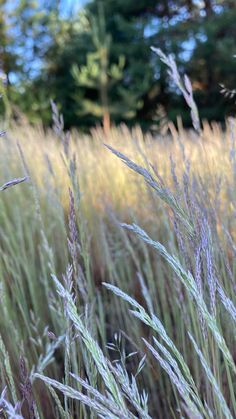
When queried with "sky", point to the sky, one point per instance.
{"points": [[68, 4]]}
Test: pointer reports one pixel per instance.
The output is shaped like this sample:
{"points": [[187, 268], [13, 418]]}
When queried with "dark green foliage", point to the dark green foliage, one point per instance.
{"points": [[212, 63], [54, 49]]}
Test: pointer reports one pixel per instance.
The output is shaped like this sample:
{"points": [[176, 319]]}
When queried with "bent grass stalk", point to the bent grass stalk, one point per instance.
{"points": [[186, 278], [184, 378]]}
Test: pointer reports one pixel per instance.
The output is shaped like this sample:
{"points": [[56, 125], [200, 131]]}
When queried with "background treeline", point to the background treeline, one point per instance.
{"points": [[94, 60]]}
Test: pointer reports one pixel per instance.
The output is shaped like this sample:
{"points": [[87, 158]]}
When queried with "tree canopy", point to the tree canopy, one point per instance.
{"points": [[96, 63]]}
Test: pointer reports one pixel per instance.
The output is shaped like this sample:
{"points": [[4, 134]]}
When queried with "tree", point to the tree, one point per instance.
{"points": [[98, 65], [8, 56], [98, 73], [212, 62], [104, 78], [27, 28]]}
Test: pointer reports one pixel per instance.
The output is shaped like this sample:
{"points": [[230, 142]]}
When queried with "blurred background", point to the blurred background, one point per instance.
{"points": [[93, 58]]}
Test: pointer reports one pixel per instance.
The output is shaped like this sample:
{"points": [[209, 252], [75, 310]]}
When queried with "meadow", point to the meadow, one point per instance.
{"points": [[117, 270]]}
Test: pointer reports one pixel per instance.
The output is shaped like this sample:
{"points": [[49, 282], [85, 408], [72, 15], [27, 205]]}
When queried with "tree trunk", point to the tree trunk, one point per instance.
{"points": [[106, 122], [208, 7], [104, 91]]}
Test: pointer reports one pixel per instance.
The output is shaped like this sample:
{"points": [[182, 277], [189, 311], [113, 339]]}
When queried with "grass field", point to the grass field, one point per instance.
{"points": [[159, 340]]}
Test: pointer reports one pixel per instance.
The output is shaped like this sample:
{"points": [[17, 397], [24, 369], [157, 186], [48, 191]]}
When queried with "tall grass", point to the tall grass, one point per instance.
{"points": [[118, 280]]}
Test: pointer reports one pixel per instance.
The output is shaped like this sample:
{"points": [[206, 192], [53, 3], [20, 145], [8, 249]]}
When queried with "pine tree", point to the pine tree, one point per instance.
{"points": [[99, 74], [98, 66]]}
